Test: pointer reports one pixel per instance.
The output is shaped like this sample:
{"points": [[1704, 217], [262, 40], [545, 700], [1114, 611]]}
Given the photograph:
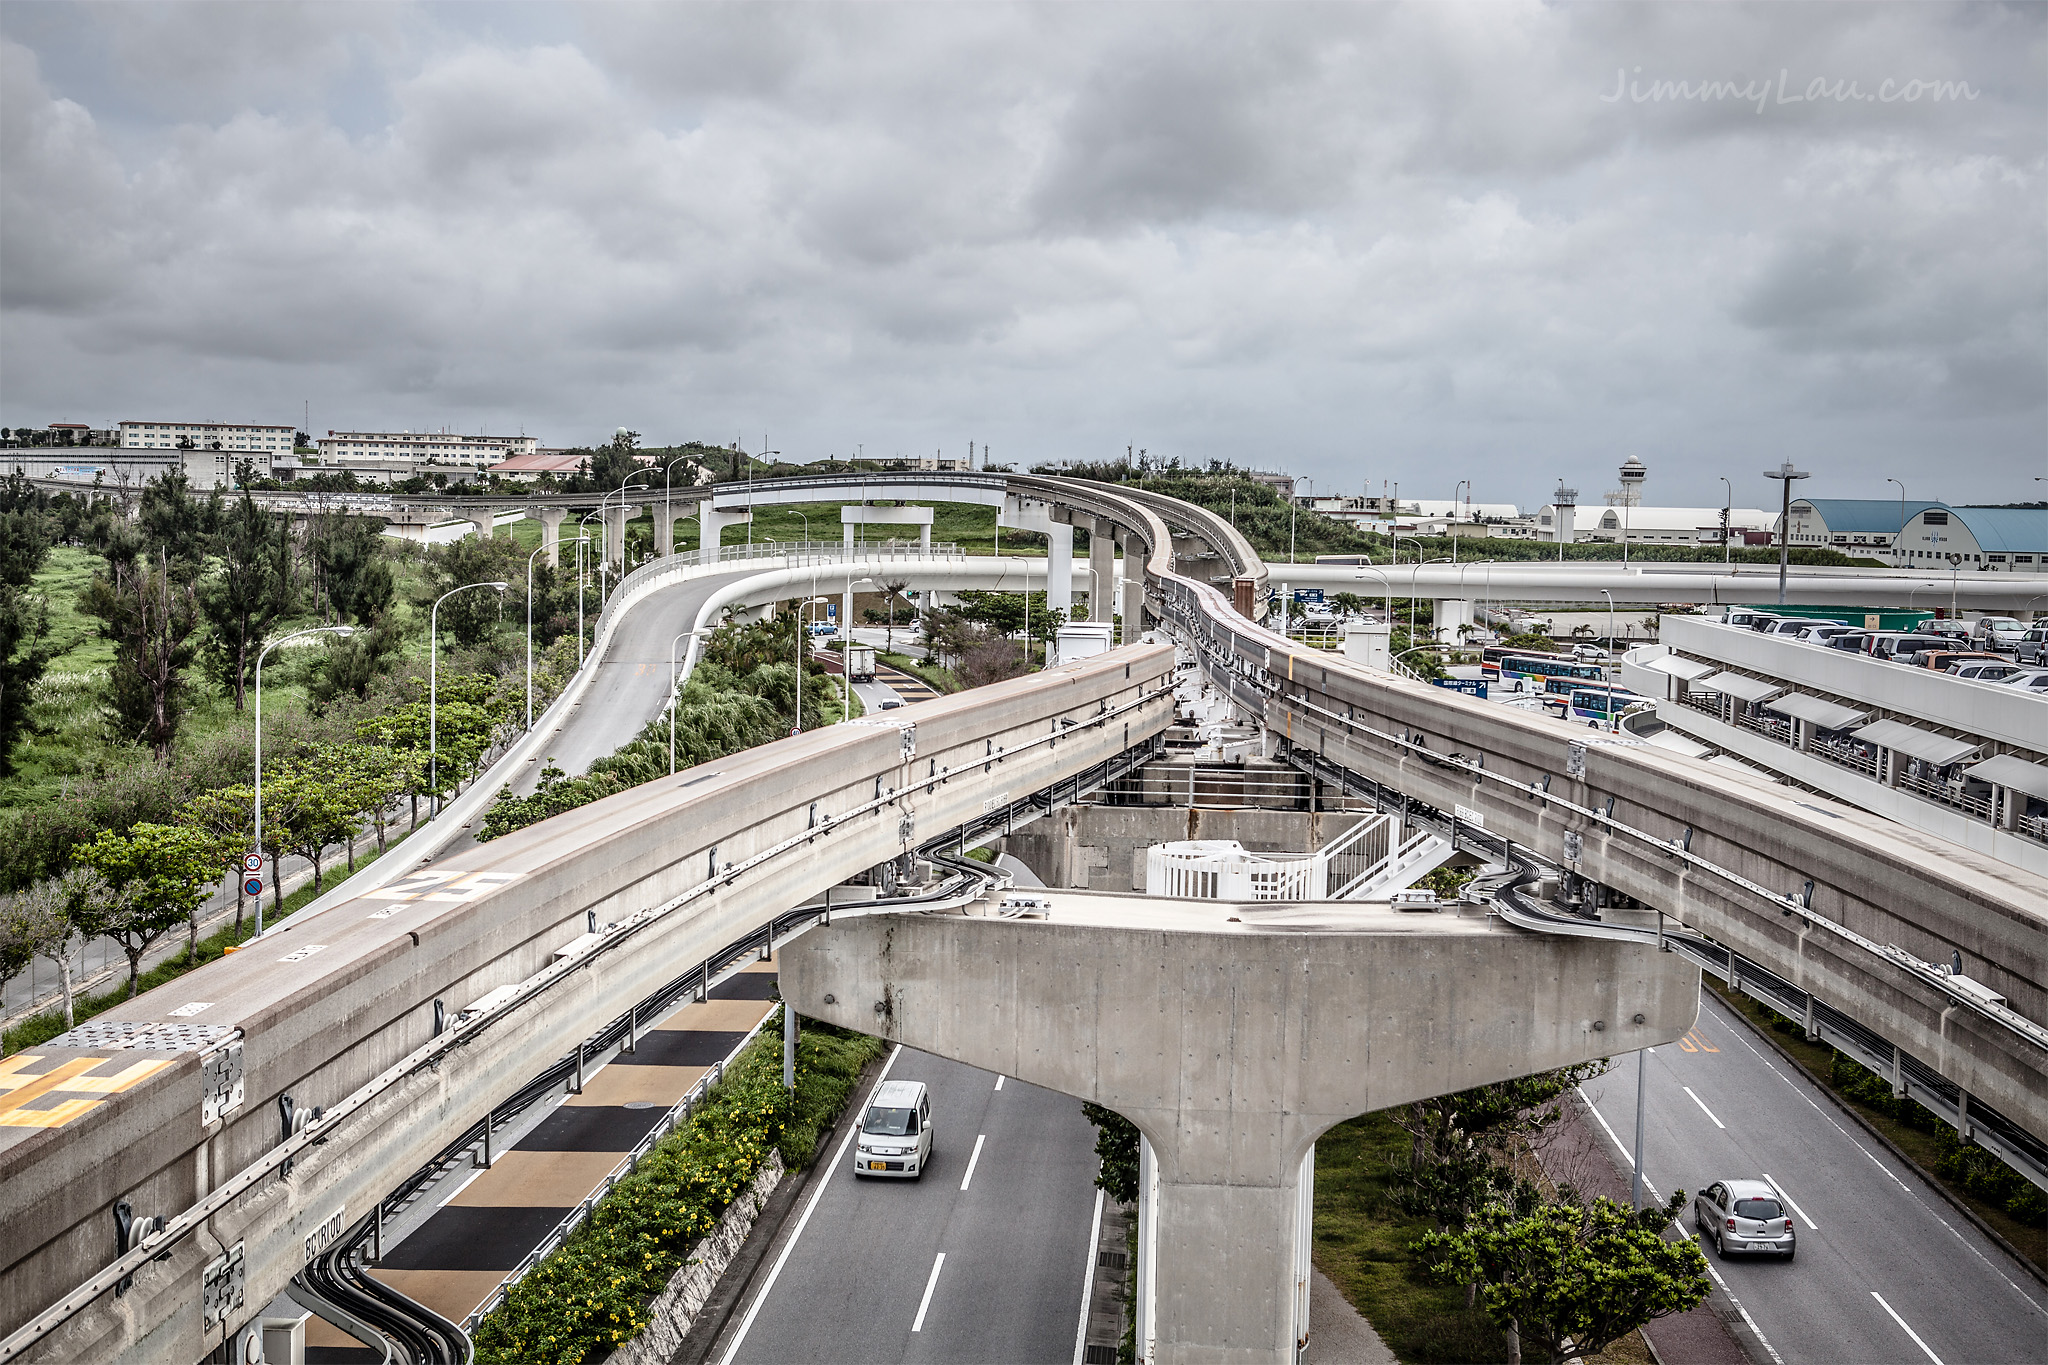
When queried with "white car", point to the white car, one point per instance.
{"points": [[1985, 670], [1746, 1216], [2001, 633], [896, 1132], [2028, 680]]}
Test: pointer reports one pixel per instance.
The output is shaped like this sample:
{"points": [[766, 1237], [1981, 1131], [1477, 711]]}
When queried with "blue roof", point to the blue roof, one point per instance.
{"points": [[1865, 514], [2011, 529]]}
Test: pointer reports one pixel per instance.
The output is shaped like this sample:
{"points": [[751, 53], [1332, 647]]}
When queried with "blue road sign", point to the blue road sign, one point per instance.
{"points": [[253, 886]]}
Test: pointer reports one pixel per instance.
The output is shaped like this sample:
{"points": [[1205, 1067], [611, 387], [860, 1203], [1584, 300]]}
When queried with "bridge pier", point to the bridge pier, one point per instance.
{"points": [[1132, 607], [1101, 569], [712, 522], [1233, 1049], [483, 519], [665, 520], [551, 519], [1449, 613], [860, 514]]}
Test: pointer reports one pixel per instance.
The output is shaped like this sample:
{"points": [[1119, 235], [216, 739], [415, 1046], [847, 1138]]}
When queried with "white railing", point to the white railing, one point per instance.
{"points": [[1356, 863]]}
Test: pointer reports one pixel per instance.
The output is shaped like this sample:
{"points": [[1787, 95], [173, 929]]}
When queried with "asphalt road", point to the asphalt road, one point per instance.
{"points": [[1882, 1257], [861, 1280]]}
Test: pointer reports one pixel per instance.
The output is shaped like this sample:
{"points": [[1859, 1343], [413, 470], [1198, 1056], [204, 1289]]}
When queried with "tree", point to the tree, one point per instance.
{"points": [[1571, 1279], [1348, 604], [150, 615], [348, 552], [153, 877], [473, 617], [1116, 1146], [26, 533], [248, 591], [176, 526], [48, 920], [227, 817]]}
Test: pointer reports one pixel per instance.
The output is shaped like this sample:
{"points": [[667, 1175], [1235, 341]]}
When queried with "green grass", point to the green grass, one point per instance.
{"points": [[1361, 1242], [1817, 1060], [40, 1028], [940, 678]]}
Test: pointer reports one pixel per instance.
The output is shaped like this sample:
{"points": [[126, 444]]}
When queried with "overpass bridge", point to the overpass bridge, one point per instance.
{"points": [[406, 1006]]}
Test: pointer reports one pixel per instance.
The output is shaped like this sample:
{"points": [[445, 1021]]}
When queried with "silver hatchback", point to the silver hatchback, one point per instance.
{"points": [[1745, 1216]]}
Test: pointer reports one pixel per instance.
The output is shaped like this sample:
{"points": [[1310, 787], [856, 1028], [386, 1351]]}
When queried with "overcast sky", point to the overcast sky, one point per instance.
{"points": [[1364, 243]]}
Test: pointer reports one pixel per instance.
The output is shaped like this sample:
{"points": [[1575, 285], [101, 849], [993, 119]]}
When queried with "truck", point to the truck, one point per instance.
{"points": [[860, 663]]}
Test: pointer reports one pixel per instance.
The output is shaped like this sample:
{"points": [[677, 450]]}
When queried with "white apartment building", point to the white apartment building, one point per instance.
{"points": [[342, 448], [228, 436]]}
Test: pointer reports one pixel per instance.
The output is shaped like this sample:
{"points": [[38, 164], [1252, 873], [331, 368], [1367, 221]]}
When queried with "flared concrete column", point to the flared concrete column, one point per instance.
{"points": [[1132, 605], [1059, 569], [713, 522], [666, 515], [483, 519], [1233, 1048], [1447, 614], [551, 519], [1101, 570], [615, 520]]}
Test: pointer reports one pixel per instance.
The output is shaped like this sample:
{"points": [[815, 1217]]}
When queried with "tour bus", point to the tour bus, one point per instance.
{"points": [[1491, 655], [1597, 704], [1544, 666]]}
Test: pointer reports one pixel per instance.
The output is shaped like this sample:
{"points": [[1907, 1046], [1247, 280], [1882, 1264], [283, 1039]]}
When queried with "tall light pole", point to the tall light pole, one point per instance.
{"points": [[1465, 484], [620, 491], [434, 688], [529, 634], [1786, 475], [1388, 585], [1727, 517], [803, 637], [673, 681], [1899, 541], [344, 632], [1607, 669], [668, 500], [765, 453]]}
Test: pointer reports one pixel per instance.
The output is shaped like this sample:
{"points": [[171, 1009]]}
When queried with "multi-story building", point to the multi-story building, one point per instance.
{"points": [[245, 437], [421, 448], [1850, 525]]}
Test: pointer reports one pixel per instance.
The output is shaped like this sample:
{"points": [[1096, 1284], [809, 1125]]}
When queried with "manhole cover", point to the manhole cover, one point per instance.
{"points": [[642, 1104]]}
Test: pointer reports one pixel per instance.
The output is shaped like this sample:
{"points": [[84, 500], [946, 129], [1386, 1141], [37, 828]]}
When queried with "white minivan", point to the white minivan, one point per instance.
{"points": [[896, 1132]]}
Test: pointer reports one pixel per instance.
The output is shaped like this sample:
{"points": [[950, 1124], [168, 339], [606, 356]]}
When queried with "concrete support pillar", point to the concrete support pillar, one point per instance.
{"points": [[1232, 1050], [483, 519], [1101, 570], [1449, 614], [551, 519], [615, 519], [1059, 569], [666, 515], [713, 522], [1133, 604]]}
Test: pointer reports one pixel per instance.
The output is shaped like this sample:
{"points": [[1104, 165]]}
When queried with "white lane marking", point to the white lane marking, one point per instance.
{"points": [[1738, 1024], [460, 1188], [999, 1082], [979, 1138], [1088, 1280], [1902, 1324], [1620, 1146], [747, 1323], [933, 1283], [1762, 1340], [1772, 1182], [1703, 1106]]}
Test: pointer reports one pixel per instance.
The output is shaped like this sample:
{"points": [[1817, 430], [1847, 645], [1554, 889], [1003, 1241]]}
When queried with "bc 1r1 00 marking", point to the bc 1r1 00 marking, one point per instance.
{"points": [[326, 1235], [442, 886]]}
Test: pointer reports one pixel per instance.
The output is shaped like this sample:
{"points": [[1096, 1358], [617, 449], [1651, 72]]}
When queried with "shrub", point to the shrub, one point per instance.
{"points": [[591, 1295]]}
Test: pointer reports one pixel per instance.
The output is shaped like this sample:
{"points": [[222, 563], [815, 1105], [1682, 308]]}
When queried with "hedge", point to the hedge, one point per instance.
{"points": [[591, 1295]]}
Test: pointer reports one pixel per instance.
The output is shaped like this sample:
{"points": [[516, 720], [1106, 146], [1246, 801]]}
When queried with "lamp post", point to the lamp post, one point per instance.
{"points": [[529, 635], [1465, 484], [1608, 669], [621, 492], [765, 453], [434, 688], [1385, 583], [1786, 475], [1414, 592], [802, 637], [1899, 541], [673, 681], [1727, 516], [344, 632]]}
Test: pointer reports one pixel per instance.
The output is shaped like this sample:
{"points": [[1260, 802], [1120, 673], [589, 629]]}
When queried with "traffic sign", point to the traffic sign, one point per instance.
{"points": [[252, 862], [253, 886]]}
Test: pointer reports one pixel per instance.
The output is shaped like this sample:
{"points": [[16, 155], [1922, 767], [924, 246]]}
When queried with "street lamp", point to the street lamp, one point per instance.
{"points": [[1727, 516], [1608, 669], [673, 682], [1387, 584], [434, 685], [621, 492], [1465, 484], [803, 636], [529, 634], [765, 453], [1786, 475], [1899, 541], [344, 632], [668, 500]]}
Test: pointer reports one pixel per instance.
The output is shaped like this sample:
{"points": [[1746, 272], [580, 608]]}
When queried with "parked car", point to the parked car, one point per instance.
{"points": [[1986, 670], [2028, 680], [895, 1132], [1899, 647], [1744, 1216], [1942, 660], [2001, 633], [2033, 646], [1820, 632], [1945, 625], [1799, 625], [1852, 641]]}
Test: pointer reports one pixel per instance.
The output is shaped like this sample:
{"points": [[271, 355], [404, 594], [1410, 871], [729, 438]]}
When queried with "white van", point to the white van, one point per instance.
{"points": [[896, 1132]]}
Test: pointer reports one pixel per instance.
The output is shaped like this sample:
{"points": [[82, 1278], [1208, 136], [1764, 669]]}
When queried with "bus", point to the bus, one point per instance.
{"points": [[1491, 655], [1596, 704], [1548, 666]]}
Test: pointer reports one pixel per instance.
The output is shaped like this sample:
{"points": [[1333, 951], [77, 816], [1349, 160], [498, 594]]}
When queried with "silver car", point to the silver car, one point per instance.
{"points": [[1745, 1216]]}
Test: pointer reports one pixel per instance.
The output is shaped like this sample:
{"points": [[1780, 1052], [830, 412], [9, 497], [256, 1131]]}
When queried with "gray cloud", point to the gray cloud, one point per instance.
{"points": [[1368, 243]]}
